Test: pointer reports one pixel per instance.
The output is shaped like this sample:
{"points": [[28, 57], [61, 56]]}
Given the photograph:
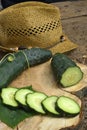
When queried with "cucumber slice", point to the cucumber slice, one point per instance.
{"points": [[20, 95], [49, 104], [71, 76], [68, 105], [7, 95], [34, 101]]}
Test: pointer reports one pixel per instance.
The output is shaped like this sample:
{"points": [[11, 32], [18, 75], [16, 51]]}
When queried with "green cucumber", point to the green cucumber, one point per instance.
{"points": [[13, 64], [34, 101], [7, 95], [65, 70], [20, 95], [68, 106], [49, 104]]}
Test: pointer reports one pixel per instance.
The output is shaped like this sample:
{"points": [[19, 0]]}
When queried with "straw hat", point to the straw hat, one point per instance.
{"points": [[33, 24]]}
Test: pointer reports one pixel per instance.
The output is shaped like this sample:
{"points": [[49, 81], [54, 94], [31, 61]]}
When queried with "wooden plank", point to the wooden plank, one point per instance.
{"points": [[71, 9], [74, 22], [76, 30]]}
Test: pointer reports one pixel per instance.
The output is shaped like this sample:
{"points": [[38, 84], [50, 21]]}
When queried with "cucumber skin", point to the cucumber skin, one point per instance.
{"points": [[59, 63], [37, 56], [9, 70]]}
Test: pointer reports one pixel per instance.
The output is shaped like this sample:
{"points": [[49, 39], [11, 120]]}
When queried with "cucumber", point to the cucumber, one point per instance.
{"points": [[20, 95], [7, 96], [13, 64], [65, 70], [34, 101], [49, 104], [68, 106]]}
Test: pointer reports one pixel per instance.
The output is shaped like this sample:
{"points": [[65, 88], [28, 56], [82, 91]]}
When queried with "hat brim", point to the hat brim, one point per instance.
{"points": [[63, 46]]}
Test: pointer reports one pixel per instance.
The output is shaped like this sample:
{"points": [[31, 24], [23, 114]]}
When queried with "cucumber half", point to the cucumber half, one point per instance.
{"points": [[71, 76], [49, 104], [7, 96], [68, 105], [34, 101], [20, 95], [65, 70]]}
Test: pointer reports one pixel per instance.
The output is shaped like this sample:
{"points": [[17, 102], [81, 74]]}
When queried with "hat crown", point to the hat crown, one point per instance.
{"points": [[30, 24]]}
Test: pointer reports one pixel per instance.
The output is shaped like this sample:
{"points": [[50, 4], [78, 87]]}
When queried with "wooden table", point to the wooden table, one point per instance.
{"points": [[74, 21]]}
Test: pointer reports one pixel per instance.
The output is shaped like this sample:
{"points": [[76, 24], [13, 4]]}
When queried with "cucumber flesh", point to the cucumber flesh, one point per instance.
{"points": [[71, 76], [34, 101], [49, 104], [68, 105], [20, 95], [7, 96]]}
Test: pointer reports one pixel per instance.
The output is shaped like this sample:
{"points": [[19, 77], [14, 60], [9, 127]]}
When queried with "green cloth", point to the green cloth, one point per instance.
{"points": [[12, 117]]}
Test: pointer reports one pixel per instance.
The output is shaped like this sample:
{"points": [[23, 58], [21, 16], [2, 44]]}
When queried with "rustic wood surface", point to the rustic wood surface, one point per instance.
{"points": [[74, 22]]}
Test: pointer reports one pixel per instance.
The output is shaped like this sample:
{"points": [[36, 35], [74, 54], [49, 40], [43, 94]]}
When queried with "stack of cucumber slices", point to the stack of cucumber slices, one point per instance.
{"points": [[40, 102]]}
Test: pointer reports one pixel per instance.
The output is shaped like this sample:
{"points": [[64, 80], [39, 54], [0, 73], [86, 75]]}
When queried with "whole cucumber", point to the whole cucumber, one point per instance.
{"points": [[14, 64]]}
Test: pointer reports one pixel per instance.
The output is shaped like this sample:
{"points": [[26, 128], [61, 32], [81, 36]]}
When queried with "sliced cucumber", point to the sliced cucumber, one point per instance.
{"points": [[66, 71], [7, 95], [49, 104], [68, 105], [40, 102], [20, 95], [34, 101]]}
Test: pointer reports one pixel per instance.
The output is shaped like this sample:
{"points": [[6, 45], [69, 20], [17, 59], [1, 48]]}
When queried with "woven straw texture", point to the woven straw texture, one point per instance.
{"points": [[33, 24]]}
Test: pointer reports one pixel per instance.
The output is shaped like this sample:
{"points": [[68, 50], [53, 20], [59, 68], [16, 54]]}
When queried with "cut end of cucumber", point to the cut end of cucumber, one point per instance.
{"points": [[68, 105], [71, 76]]}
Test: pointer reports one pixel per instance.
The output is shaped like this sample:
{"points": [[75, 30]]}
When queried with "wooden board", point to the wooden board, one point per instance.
{"points": [[72, 8], [42, 79], [74, 17]]}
